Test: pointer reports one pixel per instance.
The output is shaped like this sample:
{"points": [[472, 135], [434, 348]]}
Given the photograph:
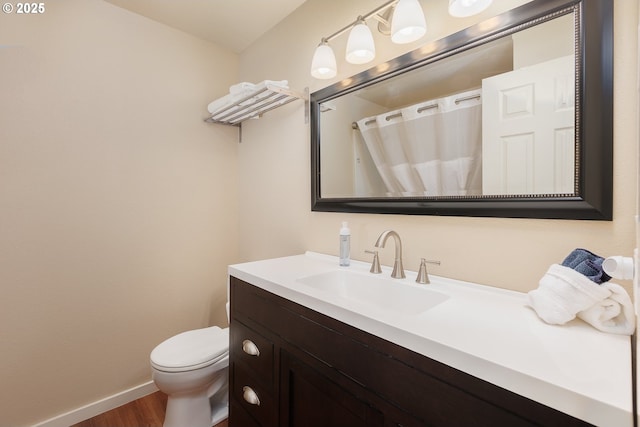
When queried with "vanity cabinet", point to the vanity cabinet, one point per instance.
{"points": [[295, 367]]}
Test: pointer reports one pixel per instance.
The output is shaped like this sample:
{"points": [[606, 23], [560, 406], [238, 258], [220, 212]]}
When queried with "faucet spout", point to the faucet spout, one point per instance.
{"points": [[398, 269]]}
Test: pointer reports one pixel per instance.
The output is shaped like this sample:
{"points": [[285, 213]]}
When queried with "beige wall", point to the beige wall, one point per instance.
{"points": [[117, 202], [509, 253], [120, 208]]}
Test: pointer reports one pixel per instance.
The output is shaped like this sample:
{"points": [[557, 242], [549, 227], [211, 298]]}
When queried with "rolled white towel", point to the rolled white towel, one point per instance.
{"points": [[563, 293], [614, 314]]}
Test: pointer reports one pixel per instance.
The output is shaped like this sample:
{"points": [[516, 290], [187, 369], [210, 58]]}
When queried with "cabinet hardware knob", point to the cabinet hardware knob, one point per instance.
{"points": [[250, 396], [250, 348]]}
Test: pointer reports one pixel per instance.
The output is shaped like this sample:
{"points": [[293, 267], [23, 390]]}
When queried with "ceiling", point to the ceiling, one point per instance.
{"points": [[231, 24]]}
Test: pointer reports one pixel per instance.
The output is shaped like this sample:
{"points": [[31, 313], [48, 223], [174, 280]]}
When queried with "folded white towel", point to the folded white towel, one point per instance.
{"points": [[563, 293], [240, 91], [219, 103], [241, 87], [280, 83], [614, 314]]}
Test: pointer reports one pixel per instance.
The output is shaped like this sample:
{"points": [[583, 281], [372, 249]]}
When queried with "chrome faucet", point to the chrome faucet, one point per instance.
{"points": [[398, 269]]}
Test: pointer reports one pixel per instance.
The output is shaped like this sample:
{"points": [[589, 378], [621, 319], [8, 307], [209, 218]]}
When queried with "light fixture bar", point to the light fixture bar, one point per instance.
{"points": [[365, 17]]}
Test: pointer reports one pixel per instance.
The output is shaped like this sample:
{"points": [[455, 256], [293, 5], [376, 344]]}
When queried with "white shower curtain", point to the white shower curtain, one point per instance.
{"points": [[429, 149]]}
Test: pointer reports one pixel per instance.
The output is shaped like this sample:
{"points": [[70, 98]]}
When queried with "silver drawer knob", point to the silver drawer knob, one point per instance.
{"points": [[250, 396], [250, 348]]}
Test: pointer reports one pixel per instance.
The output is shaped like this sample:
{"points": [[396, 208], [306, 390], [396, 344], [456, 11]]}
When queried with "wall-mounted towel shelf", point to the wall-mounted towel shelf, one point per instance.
{"points": [[265, 98], [255, 104]]}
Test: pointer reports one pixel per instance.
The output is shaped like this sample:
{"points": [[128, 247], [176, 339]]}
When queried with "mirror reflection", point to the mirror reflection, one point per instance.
{"points": [[494, 120]]}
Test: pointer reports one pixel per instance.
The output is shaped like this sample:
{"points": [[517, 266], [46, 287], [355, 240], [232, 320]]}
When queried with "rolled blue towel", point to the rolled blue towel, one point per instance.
{"points": [[587, 263]]}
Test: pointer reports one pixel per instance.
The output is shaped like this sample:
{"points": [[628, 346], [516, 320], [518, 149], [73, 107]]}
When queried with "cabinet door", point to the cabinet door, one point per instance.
{"points": [[239, 417], [309, 399]]}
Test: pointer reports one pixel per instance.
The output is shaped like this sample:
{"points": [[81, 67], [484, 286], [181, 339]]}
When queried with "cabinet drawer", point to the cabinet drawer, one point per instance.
{"points": [[254, 398], [253, 350]]}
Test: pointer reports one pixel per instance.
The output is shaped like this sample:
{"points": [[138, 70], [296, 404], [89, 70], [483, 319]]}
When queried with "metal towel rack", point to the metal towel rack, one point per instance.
{"points": [[255, 105]]}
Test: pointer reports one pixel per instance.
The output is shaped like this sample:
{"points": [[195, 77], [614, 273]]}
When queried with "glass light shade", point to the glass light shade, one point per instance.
{"points": [[323, 64], [463, 8], [360, 46], [408, 23]]}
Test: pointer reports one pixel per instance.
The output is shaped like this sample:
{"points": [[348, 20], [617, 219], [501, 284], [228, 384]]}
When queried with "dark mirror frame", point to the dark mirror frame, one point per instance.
{"points": [[594, 122]]}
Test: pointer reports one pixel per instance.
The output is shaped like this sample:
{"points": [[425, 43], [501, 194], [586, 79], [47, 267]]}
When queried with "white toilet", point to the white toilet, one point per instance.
{"points": [[192, 369]]}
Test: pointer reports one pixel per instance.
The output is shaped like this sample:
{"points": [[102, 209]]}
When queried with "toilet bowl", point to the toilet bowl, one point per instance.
{"points": [[192, 369]]}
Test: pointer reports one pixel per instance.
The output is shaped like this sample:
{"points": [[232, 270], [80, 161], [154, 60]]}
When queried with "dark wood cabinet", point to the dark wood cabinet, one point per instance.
{"points": [[294, 367], [309, 399]]}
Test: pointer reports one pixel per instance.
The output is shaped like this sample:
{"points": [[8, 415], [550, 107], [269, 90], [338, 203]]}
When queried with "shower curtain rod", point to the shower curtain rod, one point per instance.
{"points": [[354, 125]]}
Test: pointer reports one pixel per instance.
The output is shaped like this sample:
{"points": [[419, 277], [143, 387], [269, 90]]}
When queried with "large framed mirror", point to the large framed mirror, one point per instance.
{"points": [[512, 117]]}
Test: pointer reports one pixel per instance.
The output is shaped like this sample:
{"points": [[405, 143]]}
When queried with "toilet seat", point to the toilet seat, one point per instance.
{"points": [[191, 350]]}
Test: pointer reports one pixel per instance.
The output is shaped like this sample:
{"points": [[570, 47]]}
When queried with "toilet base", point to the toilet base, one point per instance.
{"points": [[199, 408], [187, 410], [194, 412], [219, 415]]}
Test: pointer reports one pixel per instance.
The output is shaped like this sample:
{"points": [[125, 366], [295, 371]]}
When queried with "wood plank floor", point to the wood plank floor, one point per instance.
{"points": [[144, 412]]}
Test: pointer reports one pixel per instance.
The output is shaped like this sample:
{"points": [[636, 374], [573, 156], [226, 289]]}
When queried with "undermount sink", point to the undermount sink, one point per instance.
{"points": [[381, 292]]}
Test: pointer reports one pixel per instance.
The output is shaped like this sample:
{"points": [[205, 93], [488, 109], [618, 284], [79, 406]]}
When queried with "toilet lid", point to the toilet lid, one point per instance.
{"points": [[191, 350]]}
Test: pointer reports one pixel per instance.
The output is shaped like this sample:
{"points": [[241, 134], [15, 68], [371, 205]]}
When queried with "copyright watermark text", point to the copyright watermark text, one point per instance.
{"points": [[24, 8]]}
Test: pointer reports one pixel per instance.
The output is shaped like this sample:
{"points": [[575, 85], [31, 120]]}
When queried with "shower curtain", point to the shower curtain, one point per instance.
{"points": [[429, 149]]}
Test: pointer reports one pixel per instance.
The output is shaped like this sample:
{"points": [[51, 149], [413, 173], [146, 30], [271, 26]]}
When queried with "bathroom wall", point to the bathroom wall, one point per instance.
{"points": [[118, 204], [508, 253], [120, 209]]}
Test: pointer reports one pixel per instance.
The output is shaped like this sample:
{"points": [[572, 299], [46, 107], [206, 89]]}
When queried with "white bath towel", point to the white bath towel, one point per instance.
{"points": [[248, 86], [614, 314], [279, 83], [243, 90], [241, 87], [563, 293], [219, 103]]}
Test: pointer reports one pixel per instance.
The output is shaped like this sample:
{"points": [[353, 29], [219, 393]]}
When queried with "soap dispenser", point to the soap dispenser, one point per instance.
{"points": [[345, 244]]}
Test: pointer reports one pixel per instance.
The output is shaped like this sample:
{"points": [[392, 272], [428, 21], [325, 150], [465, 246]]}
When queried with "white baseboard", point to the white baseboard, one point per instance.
{"points": [[100, 406]]}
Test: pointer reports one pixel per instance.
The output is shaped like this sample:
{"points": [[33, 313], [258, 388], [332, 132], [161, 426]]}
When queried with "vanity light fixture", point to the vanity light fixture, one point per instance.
{"points": [[407, 25], [360, 46], [323, 65], [464, 8]]}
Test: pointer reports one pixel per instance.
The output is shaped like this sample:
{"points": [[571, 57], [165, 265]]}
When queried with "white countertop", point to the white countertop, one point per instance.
{"points": [[487, 332]]}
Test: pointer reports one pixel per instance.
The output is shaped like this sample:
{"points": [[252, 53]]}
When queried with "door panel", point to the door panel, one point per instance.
{"points": [[530, 146]]}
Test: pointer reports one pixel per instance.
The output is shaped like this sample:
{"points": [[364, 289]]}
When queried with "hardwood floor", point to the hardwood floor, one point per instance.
{"points": [[144, 412]]}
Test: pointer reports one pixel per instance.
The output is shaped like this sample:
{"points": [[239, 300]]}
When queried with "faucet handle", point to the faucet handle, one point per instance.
{"points": [[375, 265], [423, 276]]}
